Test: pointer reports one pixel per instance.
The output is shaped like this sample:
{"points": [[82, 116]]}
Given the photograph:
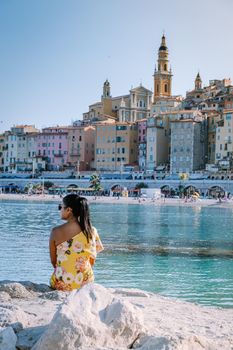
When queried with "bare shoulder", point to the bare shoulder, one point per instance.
{"points": [[56, 231]]}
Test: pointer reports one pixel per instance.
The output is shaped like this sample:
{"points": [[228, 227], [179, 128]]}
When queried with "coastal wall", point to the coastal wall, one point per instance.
{"points": [[202, 185]]}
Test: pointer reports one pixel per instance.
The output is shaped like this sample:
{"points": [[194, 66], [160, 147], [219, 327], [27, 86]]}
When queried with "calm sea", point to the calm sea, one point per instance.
{"points": [[182, 252]]}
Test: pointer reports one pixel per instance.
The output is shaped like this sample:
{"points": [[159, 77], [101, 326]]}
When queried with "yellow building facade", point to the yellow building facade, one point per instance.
{"points": [[116, 146], [224, 138]]}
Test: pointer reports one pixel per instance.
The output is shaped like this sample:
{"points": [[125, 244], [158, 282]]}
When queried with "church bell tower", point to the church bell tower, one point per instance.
{"points": [[198, 82], [162, 75]]}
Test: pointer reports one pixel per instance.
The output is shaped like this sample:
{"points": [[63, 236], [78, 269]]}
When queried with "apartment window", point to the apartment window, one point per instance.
{"points": [[220, 146], [121, 127], [60, 145], [80, 138], [225, 147]]}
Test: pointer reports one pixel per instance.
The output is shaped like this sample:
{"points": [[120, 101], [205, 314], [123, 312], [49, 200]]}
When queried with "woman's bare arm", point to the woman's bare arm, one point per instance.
{"points": [[52, 249]]}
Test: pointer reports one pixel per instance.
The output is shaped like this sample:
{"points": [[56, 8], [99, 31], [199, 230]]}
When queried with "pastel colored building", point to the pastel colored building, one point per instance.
{"points": [[157, 143], [142, 126], [2, 148], [81, 147], [116, 146], [20, 148], [52, 147], [187, 145], [213, 119], [224, 139]]}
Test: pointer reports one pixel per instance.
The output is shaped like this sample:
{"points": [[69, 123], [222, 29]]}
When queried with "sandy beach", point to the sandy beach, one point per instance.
{"points": [[123, 200]]}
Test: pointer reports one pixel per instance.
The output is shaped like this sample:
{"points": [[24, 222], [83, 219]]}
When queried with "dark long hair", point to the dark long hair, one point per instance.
{"points": [[81, 212]]}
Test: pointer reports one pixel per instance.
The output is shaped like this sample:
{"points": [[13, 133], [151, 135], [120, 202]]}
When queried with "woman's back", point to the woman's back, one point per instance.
{"points": [[73, 245], [74, 261]]}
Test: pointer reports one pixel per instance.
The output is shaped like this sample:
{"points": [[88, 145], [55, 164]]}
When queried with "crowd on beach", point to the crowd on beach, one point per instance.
{"points": [[142, 200]]}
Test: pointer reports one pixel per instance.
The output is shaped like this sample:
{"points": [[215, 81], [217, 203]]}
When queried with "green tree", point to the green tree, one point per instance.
{"points": [[95, 183], [48, 184], [141, 185]]}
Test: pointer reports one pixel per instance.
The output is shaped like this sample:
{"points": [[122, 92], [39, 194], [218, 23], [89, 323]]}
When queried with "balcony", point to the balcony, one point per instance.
{"points": [[58, 155], [74, 154]]}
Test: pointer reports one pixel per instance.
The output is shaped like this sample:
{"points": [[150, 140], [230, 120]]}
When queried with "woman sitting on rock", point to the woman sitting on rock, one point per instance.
{"points": [[73, 245]]}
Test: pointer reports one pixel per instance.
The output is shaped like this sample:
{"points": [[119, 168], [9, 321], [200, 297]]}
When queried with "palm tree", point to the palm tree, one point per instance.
{"points": [[95, 183]]}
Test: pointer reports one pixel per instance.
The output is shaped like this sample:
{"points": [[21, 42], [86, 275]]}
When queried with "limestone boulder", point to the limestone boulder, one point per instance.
{"points": [[27, 337], [11, 315], [91, 318], [15, 290], [7, 339]]}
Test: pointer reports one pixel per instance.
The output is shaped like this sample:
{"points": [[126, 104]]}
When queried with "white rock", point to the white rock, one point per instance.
{"points": [[92, 318], [10, 314], [28, 337], [179, 343], [4, 297], [7, 339], [15, 289]]}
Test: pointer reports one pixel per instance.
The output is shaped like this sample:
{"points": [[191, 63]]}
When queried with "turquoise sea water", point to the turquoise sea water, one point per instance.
{"points": [[182, 252]]}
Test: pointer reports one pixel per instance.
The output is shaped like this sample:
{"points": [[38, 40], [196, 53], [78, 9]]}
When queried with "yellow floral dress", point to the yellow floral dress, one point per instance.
{"points": [[73, 268]]}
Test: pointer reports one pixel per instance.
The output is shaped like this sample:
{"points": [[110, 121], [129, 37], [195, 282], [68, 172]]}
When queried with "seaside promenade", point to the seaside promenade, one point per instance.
{"points": [[123, 200]]}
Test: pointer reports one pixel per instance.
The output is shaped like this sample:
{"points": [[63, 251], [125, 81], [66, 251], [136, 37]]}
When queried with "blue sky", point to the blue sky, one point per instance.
{"points": [[56, 54]]}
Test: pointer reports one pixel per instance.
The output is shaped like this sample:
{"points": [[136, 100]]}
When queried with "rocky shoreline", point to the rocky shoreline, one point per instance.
{"points": [[32, 316]]}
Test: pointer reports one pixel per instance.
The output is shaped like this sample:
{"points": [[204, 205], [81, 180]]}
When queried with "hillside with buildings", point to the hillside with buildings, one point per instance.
{"points": [[143, 130]]}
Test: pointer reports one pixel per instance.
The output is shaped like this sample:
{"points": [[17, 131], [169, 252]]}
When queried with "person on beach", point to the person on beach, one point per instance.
{"points": [[73, 245]]}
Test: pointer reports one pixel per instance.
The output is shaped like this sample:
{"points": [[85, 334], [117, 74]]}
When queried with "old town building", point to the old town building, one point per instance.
{"points": [[126, 108], [81, 147], [116, 146]]}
